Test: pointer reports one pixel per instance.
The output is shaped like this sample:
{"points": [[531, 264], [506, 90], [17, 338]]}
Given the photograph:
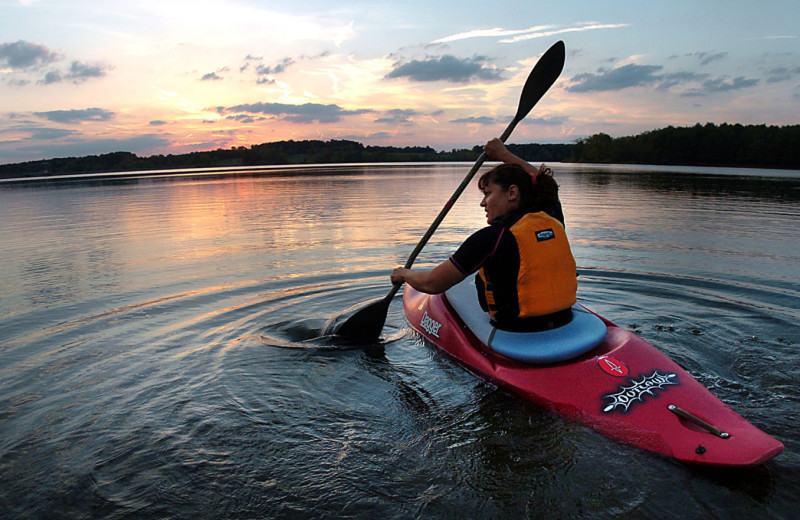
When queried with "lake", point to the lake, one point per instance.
{"points": [[160, 349]]}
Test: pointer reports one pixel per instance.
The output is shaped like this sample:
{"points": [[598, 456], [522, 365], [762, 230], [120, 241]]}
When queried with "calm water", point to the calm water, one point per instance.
{"points": [[160, 353]]}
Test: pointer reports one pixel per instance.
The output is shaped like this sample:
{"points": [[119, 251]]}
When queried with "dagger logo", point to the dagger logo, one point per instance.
{"points": [[613, 367]]}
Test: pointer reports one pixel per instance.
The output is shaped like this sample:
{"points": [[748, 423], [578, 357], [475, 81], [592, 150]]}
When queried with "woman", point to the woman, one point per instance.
{"points": [[526, 273]]}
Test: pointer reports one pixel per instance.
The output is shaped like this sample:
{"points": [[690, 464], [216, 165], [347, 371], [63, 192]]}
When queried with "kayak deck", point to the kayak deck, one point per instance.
{"points": [[624, 388]]}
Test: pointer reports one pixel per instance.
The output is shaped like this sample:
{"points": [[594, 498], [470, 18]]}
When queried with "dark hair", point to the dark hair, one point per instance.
{"points": [[539, 196]]}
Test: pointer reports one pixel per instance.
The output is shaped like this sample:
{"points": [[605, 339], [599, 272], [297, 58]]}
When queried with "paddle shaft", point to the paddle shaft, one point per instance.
{"points": [[446, 209], [365, 324]]}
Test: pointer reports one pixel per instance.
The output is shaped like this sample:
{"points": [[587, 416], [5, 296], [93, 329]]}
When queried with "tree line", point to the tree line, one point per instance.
{"points": [[700, 145]]}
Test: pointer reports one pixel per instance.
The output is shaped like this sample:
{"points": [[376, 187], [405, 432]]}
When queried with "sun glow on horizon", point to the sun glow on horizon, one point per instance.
{"points": [[98, 76]]}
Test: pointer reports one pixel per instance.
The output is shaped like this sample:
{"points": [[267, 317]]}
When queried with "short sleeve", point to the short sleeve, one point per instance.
{"points": [[476, 249]]}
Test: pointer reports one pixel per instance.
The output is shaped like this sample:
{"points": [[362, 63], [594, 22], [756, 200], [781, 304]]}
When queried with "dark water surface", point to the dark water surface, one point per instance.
{"points": [[160, 353]]}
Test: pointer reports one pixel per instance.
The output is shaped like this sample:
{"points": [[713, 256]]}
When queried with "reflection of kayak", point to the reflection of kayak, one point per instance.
{"points": [[622, 386]]}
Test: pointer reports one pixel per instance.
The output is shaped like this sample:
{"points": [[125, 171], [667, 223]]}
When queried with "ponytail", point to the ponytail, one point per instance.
{"points": [[541, 195]]}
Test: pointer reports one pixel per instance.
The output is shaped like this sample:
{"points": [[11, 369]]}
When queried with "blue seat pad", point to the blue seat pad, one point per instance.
{"points": [[582, 334]]}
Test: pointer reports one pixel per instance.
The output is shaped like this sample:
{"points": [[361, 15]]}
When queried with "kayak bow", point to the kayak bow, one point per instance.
{"points": [[623, 387]]}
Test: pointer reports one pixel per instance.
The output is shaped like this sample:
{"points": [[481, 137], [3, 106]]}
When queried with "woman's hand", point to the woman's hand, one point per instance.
{"points": [[496, 150], [398, 276], [437, 280]]}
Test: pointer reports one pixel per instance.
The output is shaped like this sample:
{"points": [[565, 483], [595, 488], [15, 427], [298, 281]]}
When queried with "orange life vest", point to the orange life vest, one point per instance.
{"points": [[547, 280]]}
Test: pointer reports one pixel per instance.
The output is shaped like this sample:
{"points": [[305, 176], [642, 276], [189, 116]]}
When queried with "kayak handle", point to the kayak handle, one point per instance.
{"points": [[680, 412]]}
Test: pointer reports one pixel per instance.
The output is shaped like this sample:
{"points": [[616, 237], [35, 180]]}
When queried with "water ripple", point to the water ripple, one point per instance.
{"points": [[171, 361]]}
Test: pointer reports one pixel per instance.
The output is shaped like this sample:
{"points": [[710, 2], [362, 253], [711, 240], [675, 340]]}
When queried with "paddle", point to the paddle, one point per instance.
{"points": [[365, 324]]}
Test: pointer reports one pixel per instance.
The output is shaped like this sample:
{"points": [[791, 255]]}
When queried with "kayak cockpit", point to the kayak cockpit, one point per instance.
{"points": [[583, 333]]}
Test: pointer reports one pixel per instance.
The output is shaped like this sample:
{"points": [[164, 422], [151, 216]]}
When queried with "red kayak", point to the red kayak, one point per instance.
{"points": [[608, 378]]}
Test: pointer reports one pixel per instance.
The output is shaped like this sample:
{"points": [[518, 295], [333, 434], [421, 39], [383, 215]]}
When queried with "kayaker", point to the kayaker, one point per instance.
{"points": [[526, 276]]}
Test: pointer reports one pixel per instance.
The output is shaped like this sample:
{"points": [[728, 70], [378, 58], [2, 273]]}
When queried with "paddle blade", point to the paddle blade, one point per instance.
{"points": [[541, 78], [365, 323]]}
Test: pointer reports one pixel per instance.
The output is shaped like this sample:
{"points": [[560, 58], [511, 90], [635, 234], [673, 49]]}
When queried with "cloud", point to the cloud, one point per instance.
{"points": [[26, 55], [491, 33], [706, 58], [21, 55], [398, 116], [586, 26], [446, 68], [545, 121], [49, 133], [672, 79], [52, 77], [267, 71], [243, 118], [78, 73], [616, 79], [306, 113], [247, 61], [157, 122], [277, 69], [717, 85], [481, 120], [36, 132], [517, 35], [724, 85], [781, 74], [76, 116], [211, 76], [82, 147], [485, 120], [631, 75], [773, 37], [378, 135]]}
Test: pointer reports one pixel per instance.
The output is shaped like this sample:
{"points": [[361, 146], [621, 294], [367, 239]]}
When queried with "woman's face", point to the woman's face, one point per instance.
{"points": [[497, 202]]}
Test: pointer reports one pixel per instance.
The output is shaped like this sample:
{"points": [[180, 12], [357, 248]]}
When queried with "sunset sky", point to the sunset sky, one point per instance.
{"points": [[85, 77]]}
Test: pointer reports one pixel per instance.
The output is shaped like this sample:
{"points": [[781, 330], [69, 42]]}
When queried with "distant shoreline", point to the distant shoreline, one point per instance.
{"points": [[286, 169], [332, 169], [753, 146]]}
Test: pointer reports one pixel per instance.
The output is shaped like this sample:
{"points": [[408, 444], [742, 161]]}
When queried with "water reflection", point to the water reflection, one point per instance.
{"points": [[784, 188], [140, 319]]}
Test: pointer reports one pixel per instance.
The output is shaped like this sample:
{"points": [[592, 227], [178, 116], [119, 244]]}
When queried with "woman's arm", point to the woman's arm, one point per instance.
{"points": [[497, 151], [437, 280]]}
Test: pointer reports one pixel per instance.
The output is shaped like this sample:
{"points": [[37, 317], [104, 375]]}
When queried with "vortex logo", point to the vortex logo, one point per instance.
{"points": [[636, 392]]}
